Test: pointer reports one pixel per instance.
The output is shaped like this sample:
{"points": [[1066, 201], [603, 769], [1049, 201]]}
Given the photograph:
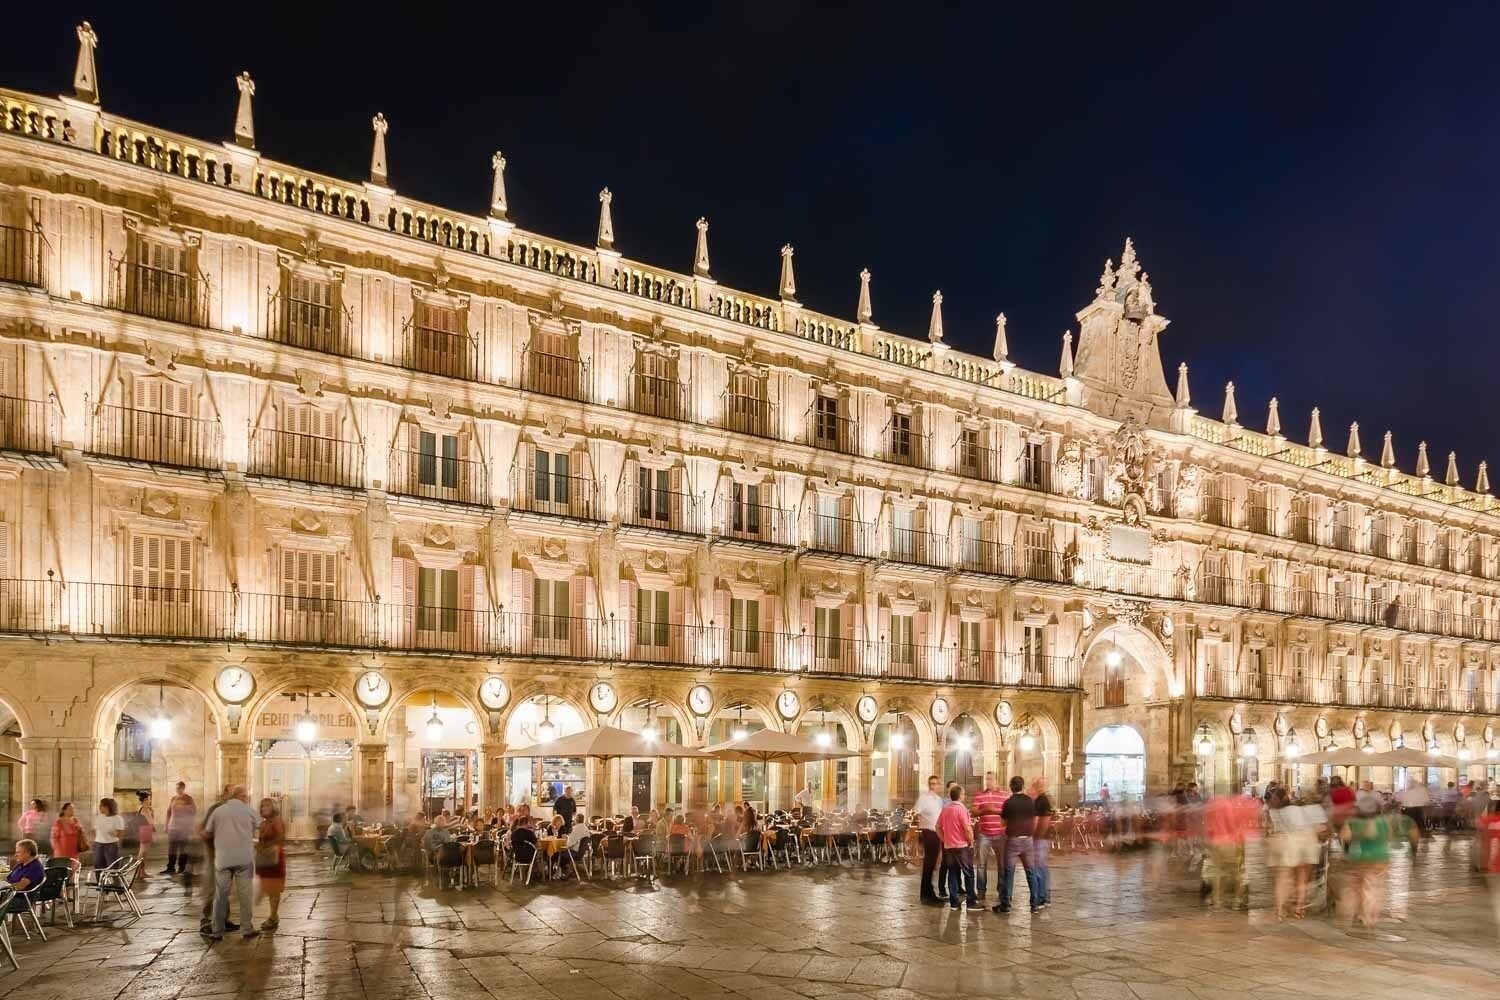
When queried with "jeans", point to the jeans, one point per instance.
{"points": [[1018, 849], [179, 844], [241, 876], [958, 862], [986, 845], [106, 854], [1041, 847], [932, 849]]}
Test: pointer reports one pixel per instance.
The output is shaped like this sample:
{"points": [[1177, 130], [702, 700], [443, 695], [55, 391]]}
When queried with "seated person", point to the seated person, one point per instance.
{"points": [[578, 837], [435, 838], [555, 828], [338, 836], [522, 834], [26, 872], [627, 826]]}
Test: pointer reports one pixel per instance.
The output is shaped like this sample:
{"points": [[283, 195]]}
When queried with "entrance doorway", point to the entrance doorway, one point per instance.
{"points": [[447, 781], [1114, 765], [640, 785]]}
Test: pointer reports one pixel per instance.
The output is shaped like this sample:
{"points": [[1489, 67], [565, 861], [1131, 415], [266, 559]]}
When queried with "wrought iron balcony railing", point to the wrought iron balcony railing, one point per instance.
{"points": [[21, 255], [439, 477], [27, 425], [539, 490], [315, 326], [308, 458], [151, 436], [159, 293]]}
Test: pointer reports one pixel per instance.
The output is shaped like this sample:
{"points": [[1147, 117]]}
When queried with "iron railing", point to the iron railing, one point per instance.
{"points": [[833, 432], [657, 396], [840, 535], [539, 490], [750, 415], [554, 375], [663, 510], [436, 351], [439, 477], [918, 548], [26, 424], [308, 458], [755, 522], [21, 255], [904, 446], [159, 293], [151, 436], [327, 329]]}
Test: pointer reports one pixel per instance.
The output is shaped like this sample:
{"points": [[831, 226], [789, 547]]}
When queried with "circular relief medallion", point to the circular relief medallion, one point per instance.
{"points": [[788, 704], [1279, 726], [1320, 728], [700, 700], [1359, 728], [1460, 733], [372, 689], [494, 693]]}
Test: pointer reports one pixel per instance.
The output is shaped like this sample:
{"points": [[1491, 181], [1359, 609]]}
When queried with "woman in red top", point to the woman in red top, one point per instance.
{"points": [[270, 859], [67, 834]]}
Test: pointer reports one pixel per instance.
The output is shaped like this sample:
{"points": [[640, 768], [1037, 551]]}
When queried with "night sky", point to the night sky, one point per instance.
{"points": [[1311, 190]]}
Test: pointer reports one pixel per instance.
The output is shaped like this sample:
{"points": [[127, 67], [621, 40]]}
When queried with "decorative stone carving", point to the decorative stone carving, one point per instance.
{"points": [[309, 383]]}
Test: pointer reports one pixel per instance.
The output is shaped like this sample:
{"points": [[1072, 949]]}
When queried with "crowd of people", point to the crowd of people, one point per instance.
{"points": [[1012, 827]]}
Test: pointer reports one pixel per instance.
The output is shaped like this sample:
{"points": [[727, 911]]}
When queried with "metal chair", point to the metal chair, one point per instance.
{"points": [[486, 861], [719, 850], [677, 850], [115, 883], [523, 855], [749, 845], [449, 859], [645, 856], [615, 854], [7, 894]]}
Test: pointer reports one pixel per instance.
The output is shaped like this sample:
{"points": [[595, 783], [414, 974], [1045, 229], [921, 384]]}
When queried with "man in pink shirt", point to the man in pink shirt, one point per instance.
{"points": [[956, 829]]}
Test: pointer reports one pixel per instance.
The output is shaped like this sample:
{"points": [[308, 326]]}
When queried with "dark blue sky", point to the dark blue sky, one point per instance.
{"points": [[1312, 189]]}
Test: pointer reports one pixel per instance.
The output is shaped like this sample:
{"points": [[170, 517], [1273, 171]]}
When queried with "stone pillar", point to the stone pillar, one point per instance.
{"points": [[491, 775], [859, 781], [371, 789], [61, 769], [779, 785], [695, 794], [600, 794], [234, 764]]}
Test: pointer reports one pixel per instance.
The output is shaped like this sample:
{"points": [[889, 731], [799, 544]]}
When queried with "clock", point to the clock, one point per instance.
{"points": [[603, 698], [494, 693], [372, 689], [700, 700], [235, 685], [788, 704], [1460, 733], [867, 708], [939, 710], [1359, 728], [1004, 714], [1320, 728], [1489, 733]]}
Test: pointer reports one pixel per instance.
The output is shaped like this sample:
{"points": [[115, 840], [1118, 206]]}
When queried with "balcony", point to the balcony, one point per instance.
{"points": [[1264, 520], [1124, 578], [1037, 475], [313, 326], [1307, 529], [552, 636], [1345, 537], [978, 555], [750, 415], [656, 396], [760, 523], [543, 491], [843, 536], [21, 255], [976, 462], [907, 447], [833, 432], [1217, 511], [1387, 545], [161, 438], [439, 477], [1299, 688], [26, 425], [422, 348], [158, 293], [660, 510], [557, 375], [307, 458], [918, 548]]}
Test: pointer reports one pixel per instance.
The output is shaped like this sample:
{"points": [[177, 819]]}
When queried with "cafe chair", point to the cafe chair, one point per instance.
{"points": [[784, 843], [522, 855], [677, 850], [615, 855], [645, 857], [449, 860], [749, 848], [114, 883], [7, 894], [486, 863]]}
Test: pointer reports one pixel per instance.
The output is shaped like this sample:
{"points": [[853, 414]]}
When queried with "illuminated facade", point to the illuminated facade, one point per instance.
{"points": [[360, 492]]}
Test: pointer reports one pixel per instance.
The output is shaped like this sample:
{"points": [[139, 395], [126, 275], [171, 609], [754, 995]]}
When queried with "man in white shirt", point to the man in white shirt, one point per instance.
{"points": [[928, 805], [232, 828], [804, 800]]}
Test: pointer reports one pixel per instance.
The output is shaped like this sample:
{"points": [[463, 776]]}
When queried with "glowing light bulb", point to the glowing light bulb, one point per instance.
{"points": [[1432, 749], [824, 739], [546, 731], [649, 732], [1250, 749], [1028, 743], [1113, 658], [898, 741], [1292, 749], [435, 728], [965, 744], [1464, 754], [307, 729], [161, 728], [1492, 753], [1205, 747]]}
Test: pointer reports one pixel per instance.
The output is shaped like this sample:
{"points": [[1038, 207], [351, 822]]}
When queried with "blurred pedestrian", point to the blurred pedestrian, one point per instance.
{"points": [[182, 820], [232, 828], [928, 807], [108, 827], [68, 839], [270, 860], [1041, 841], [956, 828], [36, 824], [145, 827]]}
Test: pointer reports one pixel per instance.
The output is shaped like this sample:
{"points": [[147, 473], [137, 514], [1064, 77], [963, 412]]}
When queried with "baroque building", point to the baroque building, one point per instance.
{"points": [[313, 487]]}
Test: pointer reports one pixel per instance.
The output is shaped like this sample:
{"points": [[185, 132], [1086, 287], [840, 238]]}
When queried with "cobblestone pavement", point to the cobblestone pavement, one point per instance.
{"points": [[1120, 926]]}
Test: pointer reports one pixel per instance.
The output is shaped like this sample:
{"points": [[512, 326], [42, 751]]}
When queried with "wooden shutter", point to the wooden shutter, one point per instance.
{"points": [[5, 563], [921, 631], [404, 583], [625, 618], [474, 607], [677, 512], [580, 634]]}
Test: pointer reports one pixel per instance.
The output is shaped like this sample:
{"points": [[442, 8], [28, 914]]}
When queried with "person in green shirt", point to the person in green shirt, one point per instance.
{"points": [[1367, 841]]}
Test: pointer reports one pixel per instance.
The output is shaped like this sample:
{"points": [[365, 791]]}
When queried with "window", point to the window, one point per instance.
{"points": [[550, 606], [826, 424], [744, 623], [973, 536], [308, 580], [827, 633], [830, 525], [969, 642], [652, 617], [437, 600], [1034, 648], [971, 454], [440, 339], [437, 457], [901, 438], [904, 535], [655, 501], [161, 568], [132, 742], [1032, 472], [1038, 558], [903, 632], [308, 311], [550, 477], [745, 509], [747, 405]]}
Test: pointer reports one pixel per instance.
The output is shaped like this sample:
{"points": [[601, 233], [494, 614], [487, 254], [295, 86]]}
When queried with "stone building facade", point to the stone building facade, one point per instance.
{"points": [[361, 492]]}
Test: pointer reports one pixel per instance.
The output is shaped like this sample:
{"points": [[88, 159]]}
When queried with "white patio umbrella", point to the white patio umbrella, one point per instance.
{"points": [[767, 746], [605, 743], [1412, 757], [1339, 757]]}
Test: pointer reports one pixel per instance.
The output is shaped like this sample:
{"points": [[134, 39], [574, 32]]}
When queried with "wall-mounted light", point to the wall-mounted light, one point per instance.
{"points": [[965, 743], [1027, 742], [435, 724], [898, 741], [1249, 748], [161, 726], [307, 726]]}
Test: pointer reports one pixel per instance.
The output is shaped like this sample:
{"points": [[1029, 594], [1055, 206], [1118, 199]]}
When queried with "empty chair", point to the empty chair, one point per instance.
{"points": [[677, 850], [114, 883], [615, 854], [449, 860], [750, 850], [486, 863], [645, 856], [522, 855], [7, 894]]}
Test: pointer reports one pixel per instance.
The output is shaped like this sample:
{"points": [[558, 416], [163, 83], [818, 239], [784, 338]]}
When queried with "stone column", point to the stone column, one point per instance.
{"points": [[61, 769], [780, 785], [371, 788], [859, 781], [491, 775], [234, 764], [600, 794], [695, 794]]}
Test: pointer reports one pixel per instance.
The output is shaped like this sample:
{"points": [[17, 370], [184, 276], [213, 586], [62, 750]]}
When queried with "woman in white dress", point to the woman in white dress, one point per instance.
{"points": [[1293, 850]]}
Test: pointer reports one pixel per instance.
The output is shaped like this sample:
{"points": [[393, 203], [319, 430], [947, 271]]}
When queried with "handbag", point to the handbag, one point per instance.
{"points": [[267, 855]]}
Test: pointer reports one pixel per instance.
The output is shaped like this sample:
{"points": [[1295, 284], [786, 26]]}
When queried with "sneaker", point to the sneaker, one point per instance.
{"points": [[167, 871], [1001, 909], [252, 933]]}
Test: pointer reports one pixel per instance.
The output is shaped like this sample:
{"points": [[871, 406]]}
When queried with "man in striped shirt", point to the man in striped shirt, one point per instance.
{"points": [[991, 840]]}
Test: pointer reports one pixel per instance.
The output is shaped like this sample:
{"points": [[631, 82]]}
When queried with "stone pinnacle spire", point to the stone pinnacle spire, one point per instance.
{"points": [[85, 76], [700, 255], [1482, 481], [1315, 432], [1424, 468], [788, 279], [1183, 397], [1129, 266], [1451, 477], [1066, 367], [1388, 452], [606, 240], [1002, 346], [244, 117], [935, 324], [1354, 447], [1273, 419], [1106, 280], [863, 312], [1231, 411], [498, 203], [378, 173]]}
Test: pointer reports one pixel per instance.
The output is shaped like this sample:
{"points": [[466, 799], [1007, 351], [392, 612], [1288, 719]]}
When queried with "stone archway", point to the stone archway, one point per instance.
{"points": [[1114, 760], [303, 742], [152, 732], [1129, 679]]}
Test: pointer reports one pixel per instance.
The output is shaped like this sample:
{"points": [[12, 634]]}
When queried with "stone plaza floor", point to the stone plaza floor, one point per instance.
{"points": [[1119, 927]]}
